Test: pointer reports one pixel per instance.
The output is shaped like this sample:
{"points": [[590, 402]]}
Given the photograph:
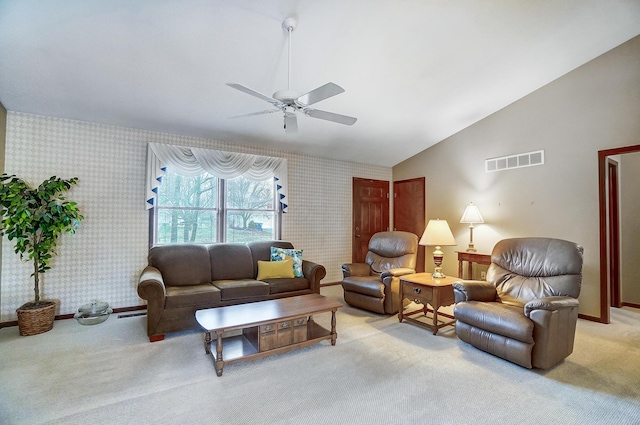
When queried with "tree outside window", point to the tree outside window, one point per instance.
{"points": [[205, 209]]}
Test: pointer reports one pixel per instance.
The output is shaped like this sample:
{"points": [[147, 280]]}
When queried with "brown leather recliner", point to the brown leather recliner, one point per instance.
{"points": [[374, 285], [527, 310]]}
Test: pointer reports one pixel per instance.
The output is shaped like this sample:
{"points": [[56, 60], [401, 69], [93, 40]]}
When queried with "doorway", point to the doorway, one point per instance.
{"points": [[609, 236]]}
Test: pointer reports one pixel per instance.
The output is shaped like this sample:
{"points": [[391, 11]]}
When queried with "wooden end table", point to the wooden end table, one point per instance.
{"points": [[268, 327], [470, 258], [424, 289]]}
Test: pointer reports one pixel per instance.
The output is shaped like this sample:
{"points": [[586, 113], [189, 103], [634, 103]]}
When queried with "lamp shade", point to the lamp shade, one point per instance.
{"points": [[471, 215], [437, 233]]}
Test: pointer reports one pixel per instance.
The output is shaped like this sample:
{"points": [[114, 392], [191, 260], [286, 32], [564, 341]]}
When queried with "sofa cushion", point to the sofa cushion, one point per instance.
{"points": [[497, 318], [181, 264], [192, 295], [279, 254], [230, 261], [278, 286], [241, 288], [275, 269]]}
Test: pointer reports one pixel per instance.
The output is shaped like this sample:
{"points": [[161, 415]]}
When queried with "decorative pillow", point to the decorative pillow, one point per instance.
{"points": [[275, 269], [279, 254]]}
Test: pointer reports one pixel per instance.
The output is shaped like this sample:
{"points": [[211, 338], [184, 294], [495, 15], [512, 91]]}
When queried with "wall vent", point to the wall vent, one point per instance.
{"points": [[520, 160]]}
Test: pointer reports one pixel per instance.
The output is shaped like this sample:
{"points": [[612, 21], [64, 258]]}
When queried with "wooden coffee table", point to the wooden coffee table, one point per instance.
{"points": [[424, 289], [268, 327]]}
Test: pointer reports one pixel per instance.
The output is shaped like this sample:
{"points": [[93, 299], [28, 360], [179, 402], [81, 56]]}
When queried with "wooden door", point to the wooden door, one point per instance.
{"points": [[409, 211], [370, 214]]}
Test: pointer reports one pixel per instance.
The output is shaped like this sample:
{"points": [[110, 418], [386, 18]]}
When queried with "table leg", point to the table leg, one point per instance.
{"points": [[435, 319], [219, 361], [460, 269], [334, 335], [207, 342]]}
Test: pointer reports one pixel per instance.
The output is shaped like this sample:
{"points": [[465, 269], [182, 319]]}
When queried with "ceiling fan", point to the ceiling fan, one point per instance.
{"points": [[290, 101]]}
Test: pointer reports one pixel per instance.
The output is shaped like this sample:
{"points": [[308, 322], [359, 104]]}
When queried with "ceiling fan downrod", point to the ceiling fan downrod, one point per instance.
{"points": [[289, 25]]}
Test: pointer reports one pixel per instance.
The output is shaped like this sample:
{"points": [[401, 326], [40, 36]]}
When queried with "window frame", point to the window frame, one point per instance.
{"points": [[221, 211]]}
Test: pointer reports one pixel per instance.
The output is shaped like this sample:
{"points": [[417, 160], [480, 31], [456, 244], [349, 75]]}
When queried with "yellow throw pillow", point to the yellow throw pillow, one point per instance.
{"points": [[275, 269]]}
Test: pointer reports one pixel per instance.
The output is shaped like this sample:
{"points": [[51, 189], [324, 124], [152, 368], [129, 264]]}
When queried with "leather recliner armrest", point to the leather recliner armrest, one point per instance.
{"points": [[150, 284], [474, 290], [550, 304], [356, 269], [400, 271]]}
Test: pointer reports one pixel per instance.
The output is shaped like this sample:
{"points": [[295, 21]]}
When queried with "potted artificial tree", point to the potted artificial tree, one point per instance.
{"points": [[34, 219]]}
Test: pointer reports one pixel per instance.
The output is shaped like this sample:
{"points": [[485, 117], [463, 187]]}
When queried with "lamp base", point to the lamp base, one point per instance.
{"points": [[438, 274]]}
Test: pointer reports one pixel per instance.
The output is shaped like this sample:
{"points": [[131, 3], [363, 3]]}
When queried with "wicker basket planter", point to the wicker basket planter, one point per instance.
{"points": [[36, 319]]}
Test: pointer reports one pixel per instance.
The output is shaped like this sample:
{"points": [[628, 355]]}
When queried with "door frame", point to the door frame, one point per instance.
{"points": [[602, 208], [613, 234]]}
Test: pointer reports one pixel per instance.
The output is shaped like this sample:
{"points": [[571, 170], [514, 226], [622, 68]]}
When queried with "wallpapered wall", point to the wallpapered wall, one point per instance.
{"points": [[104, 258]]}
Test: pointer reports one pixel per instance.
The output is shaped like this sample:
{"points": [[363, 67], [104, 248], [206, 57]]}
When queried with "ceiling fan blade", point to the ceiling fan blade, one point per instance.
{"points": [[321, 93], [330, 116], [290, 123], [268, 111], [254, 93]]}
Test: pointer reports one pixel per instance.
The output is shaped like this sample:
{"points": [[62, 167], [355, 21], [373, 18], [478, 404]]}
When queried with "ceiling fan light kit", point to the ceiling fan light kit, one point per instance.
{"points": [[289, 101]]}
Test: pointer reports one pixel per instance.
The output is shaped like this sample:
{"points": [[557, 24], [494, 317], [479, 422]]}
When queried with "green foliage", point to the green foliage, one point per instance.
{"points": [[34, 219]]}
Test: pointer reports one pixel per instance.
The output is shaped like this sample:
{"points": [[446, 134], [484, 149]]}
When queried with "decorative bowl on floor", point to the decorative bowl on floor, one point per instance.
{"points": [[93, 313]]}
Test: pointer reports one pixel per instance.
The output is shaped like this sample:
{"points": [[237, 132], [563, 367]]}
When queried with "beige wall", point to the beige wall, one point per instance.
{"points": [[629, 227], [104, 258], [594, 107]]}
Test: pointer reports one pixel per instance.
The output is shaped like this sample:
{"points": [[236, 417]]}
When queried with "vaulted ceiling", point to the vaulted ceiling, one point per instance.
{"points": [[414, 71]]}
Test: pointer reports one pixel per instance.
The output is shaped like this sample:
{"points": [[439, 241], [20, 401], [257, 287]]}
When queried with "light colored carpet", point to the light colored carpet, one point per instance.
{"points": [[379, 372]]}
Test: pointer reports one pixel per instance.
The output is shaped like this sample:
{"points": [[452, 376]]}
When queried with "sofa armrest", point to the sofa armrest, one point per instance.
{"points": [[400, 271], [150, 285], [550, 304], [474, 290], [356, 269], [314, 273]]}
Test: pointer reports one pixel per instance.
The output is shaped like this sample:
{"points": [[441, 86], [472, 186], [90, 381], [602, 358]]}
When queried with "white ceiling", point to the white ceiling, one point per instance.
{"points": [[414, 71]]}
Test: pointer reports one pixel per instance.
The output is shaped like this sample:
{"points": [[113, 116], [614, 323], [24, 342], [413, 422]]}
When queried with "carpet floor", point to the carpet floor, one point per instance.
{"points": [[379, 372]]}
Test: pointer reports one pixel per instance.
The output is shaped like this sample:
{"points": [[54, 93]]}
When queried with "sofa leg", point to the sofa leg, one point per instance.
{"points": [[156, 338]]}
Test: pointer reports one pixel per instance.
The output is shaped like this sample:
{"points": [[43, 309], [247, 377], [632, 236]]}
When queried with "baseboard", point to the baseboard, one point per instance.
{"points": [[633, 305], [590, 318], [330, 284], [70, 316]]}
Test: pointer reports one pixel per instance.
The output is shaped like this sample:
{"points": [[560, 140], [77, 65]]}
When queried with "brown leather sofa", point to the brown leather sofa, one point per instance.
{"points": [[183, 278], [375, 285], [526, 311]]}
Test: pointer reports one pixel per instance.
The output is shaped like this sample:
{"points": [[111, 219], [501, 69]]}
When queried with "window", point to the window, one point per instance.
{"points": [[198, 195], [207, 209]]}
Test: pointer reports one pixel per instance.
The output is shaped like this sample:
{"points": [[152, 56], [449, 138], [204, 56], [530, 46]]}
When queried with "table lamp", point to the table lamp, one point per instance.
{"points": [[472, 216], [437, 234]]}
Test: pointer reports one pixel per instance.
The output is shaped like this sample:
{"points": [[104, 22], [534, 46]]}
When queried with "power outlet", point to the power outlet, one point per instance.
{"points": [[483, 275]]}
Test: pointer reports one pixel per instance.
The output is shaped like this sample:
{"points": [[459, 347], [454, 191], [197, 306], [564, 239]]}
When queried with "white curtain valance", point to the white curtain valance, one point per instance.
{"points": [[224, 165]]}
